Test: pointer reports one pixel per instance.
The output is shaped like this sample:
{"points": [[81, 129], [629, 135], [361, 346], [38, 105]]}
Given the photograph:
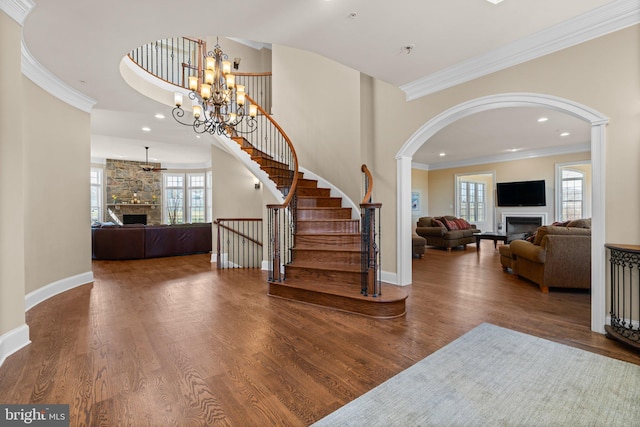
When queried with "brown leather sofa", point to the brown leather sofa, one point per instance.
{"points": [[141, 241], [437, 234], [558, 257]]}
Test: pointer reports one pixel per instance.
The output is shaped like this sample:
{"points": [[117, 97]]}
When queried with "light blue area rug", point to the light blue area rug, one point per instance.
{"points": [[493, 376]]}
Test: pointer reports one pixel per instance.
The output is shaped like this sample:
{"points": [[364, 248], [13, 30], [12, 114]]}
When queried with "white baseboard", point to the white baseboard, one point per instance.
{"points": [[39, 295], [13, 341], [389, 277]]}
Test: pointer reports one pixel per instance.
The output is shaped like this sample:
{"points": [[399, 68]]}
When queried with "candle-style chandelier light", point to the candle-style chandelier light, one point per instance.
{"points": [[219, 104]]}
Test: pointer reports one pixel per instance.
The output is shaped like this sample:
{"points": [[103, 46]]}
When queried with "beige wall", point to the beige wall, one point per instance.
{"points": [[44, 190], [322, 119], [420, 184], [603, 74], [233, 191], [441, 193], [12, 188], [57, 158]]}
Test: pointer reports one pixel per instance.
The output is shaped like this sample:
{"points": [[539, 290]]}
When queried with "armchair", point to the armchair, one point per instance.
{"points": [[559, 257]]}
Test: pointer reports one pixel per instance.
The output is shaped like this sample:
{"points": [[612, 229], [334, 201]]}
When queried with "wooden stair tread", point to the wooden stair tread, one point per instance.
{"points": [[328, 248], [320, 208], [324, 266], [302, 233], [329, 220]]}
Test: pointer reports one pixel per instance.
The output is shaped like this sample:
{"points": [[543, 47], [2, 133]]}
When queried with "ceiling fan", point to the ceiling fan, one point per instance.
{"points": [[149, 168]]}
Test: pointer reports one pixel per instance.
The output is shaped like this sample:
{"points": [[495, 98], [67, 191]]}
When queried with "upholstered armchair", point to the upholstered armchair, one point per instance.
{"points": [[558, 257]]}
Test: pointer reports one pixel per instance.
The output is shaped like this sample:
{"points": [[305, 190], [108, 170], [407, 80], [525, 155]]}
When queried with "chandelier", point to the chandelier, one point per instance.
{"points": [[219, 104]]}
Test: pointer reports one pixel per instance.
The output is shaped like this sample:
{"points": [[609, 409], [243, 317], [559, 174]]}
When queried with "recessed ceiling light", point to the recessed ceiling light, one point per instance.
{"points": [[565, 134], [442, 154], [542, 119], [159, 116], [146, 129], [495, 1]]}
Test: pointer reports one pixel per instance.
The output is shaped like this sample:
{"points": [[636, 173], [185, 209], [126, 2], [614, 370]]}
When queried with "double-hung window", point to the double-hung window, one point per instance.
{"points": [[173, 209], [187, 198], [572, 195], [472, 200], [96, 194], [196, 198]]}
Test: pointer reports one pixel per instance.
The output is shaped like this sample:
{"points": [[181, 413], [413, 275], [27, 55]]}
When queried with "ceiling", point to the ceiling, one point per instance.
{"points": [[82, 43]]}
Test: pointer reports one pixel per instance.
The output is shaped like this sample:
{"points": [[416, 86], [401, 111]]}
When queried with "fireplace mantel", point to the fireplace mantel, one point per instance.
{"points": [[541, 215]]}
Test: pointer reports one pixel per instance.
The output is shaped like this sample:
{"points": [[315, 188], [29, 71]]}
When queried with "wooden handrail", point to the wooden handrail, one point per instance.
{"points": [[238, 233], [294, 184], [367, 197]]}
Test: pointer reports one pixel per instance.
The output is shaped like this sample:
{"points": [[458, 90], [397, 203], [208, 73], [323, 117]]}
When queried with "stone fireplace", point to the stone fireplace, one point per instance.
{"points": [[132, 191]]}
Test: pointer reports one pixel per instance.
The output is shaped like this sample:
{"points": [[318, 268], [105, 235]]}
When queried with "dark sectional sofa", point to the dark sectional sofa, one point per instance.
{"points": [[149, 241]]}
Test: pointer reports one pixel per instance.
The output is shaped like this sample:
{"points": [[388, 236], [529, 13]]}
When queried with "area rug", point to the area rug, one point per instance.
{"points": [[493, 376]]}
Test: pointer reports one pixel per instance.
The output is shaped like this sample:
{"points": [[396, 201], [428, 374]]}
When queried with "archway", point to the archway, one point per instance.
{"points": [[598, 139]]}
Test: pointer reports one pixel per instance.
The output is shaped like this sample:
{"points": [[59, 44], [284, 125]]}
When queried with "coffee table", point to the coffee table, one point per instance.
{"points": [[490, 235]]}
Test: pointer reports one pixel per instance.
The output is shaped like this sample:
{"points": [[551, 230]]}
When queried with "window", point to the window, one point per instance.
{"points": [[209, 196], [472, 201], [96, 194], [173, 208], [572, 195], [187, 198], [195, 198]]}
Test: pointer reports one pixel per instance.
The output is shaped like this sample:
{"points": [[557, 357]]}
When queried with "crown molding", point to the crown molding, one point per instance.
{"points": [[251, 43], [42, 77], [507, 157], [606, 19], [17, 9]]}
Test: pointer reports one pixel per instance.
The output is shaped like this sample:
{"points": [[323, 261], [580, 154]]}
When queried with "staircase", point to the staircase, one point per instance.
{"points": [[328, 260], [326, 257]]}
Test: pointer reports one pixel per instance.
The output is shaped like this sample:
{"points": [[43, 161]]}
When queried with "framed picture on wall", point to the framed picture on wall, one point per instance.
{"points": [[415, 201]]}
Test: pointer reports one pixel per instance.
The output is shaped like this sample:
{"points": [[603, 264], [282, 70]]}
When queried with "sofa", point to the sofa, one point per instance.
{"points": [[137, 241], [558, 256], [446, 231]]}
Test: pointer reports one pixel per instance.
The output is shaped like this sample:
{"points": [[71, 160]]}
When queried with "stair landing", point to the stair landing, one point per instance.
{"points": [[391, 303]]}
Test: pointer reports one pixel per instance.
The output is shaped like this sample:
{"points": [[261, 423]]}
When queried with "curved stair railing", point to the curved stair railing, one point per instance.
{"points": [[370, 239], [272, 149], [174, 60]]}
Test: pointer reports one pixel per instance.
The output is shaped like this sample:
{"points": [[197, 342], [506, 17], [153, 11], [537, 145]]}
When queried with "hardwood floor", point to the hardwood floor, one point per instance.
{"points": [[174, 342]]}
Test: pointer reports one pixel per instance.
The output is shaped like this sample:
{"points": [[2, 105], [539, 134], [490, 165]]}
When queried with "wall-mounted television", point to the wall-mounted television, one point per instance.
{"points": [[521, 193]]}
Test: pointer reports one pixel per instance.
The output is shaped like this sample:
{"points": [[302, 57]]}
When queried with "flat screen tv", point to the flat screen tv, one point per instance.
{"points": [[521, 193]]}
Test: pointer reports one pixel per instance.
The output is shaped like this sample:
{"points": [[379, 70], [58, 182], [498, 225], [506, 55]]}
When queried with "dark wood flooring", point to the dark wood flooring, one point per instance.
{"points": [[174, 342]]}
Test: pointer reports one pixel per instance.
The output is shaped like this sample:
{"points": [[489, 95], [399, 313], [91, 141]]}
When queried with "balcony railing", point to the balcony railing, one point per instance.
{"points": [[174, 60], [624, 297]]}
